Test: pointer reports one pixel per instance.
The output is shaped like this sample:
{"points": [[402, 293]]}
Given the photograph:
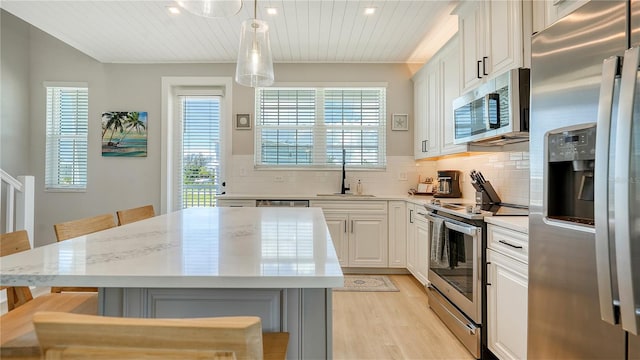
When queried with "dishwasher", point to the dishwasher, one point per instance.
{"points": [[282, 203]]}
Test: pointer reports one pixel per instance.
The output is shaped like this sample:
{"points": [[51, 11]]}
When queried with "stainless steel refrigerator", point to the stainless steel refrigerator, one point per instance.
{"points": [[584, 260]]}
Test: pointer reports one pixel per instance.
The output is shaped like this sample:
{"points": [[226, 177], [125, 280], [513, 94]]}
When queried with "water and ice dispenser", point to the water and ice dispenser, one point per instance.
{"points": [[571, 163]]}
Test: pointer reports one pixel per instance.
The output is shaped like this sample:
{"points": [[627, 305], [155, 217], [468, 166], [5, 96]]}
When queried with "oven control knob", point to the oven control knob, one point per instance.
{"points": [[435, 201]]}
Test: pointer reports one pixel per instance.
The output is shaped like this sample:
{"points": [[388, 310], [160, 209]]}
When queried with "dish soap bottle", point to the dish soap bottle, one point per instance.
{"points": [[359, 188]]}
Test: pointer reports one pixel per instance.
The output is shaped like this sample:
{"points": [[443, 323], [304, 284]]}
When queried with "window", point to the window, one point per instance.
{"points": [[310, 127], [66, 137], [200, 161]]}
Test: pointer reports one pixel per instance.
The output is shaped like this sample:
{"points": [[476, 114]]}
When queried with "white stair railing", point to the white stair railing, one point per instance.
{"points": [[20, 203]]}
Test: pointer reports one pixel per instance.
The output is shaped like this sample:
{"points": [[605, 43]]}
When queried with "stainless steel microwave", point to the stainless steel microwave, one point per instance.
{"points": [[496, 112]]}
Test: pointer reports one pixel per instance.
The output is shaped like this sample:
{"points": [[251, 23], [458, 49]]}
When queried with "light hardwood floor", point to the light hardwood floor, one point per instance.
{"points": [[391, 325]]}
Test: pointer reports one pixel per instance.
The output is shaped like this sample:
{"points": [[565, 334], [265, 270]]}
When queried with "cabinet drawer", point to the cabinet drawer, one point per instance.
{"points": [[348, 206], [508, 242]]}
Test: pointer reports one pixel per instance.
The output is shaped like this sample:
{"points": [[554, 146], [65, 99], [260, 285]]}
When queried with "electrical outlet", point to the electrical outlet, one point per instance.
{"points": [[402, 176], [278, 178]]}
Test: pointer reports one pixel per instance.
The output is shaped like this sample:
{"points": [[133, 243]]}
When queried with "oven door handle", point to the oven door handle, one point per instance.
{"points": [[469, 230]]}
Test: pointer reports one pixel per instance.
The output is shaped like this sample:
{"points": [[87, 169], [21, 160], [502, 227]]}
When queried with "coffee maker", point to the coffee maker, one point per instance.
{"points": [[448, 185]]}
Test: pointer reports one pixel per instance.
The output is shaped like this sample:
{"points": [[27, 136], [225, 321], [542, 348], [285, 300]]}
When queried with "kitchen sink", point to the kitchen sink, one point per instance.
{"points": [[346, 195]]}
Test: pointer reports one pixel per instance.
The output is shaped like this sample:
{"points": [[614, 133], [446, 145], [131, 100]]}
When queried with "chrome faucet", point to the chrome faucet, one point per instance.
{"points": [[344, 188]]}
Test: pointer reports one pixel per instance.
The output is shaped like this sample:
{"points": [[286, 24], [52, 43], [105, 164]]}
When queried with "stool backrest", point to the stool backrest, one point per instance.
{"points": [[136, 214], [11, 243], [73, 336], [75, 228]]}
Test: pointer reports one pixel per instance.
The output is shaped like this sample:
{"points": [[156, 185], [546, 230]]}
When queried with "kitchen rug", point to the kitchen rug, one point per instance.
{"points": [[367, 283]]}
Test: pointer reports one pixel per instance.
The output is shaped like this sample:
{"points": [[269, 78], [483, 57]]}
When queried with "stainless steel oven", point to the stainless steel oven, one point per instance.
{"points": [[456, 274]]}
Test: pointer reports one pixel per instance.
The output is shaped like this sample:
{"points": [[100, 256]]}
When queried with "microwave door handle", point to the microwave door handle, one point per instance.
{"points": [[610, 69], [626, 251], [489, 99]]}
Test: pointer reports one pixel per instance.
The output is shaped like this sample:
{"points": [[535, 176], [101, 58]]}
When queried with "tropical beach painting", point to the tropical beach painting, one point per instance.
{"points": [[124, 133]]}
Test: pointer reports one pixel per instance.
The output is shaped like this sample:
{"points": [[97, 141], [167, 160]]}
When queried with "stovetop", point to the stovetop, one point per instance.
{"points": [[476, 212]]}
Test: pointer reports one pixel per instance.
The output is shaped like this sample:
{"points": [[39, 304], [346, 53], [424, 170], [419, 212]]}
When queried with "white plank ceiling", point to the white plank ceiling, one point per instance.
{"points": [[400, 31]]}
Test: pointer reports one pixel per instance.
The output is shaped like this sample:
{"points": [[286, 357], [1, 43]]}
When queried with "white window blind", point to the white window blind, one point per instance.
{"points": [[200, 150], [309, 127], [66, 138]]}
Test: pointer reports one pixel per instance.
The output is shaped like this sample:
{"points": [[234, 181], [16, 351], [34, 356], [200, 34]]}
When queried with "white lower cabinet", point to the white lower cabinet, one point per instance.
{"points": [[368, 240], [337, 224], [411, 238], [417, 243], [359, 231], [397, 234], [507, 289]]}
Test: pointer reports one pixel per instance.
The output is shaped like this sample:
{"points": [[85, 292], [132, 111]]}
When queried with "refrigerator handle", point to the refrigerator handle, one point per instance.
{"points": [[610, 69], [625, 257]]}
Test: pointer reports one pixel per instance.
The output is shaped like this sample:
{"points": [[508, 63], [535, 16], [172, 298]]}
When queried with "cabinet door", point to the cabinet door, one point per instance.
{"points": [[504, 27], [507, 287], [422, 250], [433, 109], [337, 224], [411, 239], [450, 89], [397, 234], [470, 30], [368, 240], [420, 115], [557, 9]]}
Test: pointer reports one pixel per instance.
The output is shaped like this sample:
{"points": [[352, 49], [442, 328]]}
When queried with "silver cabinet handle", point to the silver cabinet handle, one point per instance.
{"points": [[626, 253], [410, 216], [610, 69], [484, 65], [345, 226]]}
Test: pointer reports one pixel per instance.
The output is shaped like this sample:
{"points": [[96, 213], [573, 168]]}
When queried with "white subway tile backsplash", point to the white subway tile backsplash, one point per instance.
{"points": [[508, 172], [244, 179]]}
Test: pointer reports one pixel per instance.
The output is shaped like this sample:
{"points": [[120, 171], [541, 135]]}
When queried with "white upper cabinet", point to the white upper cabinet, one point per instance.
{"points": [[450, 90], [495, 36], [435, 87], [420, 114], [547, 12]]}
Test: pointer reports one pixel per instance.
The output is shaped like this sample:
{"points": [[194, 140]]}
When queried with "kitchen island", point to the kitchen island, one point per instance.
{"points": [[276, 263]]}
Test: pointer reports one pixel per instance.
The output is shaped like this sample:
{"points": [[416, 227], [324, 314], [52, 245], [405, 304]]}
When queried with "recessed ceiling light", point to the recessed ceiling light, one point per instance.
{"points": [[272, 11], [369, 11], [173, 10]]}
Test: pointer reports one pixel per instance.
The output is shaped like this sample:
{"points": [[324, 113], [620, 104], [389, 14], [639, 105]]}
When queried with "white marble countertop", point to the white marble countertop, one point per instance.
{"points": [[516, 223], [192, 248]]}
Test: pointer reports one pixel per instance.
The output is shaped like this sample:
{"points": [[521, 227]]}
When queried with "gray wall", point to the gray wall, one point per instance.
{"points": [[118, 183], [14, 95]]}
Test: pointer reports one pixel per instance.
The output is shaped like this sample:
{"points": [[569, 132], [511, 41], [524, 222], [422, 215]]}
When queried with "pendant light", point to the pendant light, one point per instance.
{"points": [[255, 66], [212, 8]]}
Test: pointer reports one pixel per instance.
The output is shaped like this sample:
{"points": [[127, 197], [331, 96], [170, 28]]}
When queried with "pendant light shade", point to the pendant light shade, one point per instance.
{"points": [[212, 8], [255, 65]]}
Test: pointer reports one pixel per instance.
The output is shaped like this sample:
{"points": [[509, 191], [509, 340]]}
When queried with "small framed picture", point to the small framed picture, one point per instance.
{"points": [[243, 121], [400, 122]]}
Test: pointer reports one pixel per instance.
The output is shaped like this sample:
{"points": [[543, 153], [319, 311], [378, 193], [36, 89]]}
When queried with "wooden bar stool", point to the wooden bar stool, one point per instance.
{"points": [[135, 214], [75, 228], [70, 336], [17, 336]]}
